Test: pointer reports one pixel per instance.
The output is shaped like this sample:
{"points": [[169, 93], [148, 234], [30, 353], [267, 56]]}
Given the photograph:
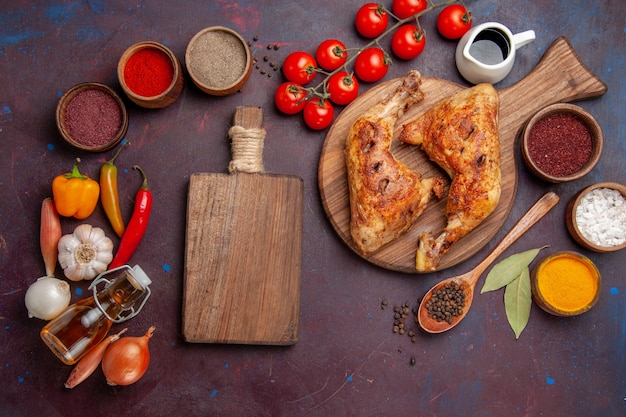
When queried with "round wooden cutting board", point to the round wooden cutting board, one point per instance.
{"points": [[559, 76]]}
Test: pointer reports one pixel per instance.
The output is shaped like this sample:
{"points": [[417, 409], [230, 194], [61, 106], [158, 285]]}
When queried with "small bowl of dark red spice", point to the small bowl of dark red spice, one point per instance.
{"points": [[596, 217], [91, 117], [150, 75], [218, 60], [561, 143]]}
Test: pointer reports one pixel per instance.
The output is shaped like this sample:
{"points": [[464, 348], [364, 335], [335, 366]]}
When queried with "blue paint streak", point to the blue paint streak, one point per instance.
{"points": [[12, 39], [20, 379], [97, 6], [61, 13], [50, 147], [167, 268], [213, 393], [79, 291], [614, 291], [349, 378], [550, 381], [85, 34]]}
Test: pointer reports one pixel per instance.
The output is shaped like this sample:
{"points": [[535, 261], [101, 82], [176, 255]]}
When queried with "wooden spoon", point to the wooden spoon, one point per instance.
{"points": [[469, 279]]}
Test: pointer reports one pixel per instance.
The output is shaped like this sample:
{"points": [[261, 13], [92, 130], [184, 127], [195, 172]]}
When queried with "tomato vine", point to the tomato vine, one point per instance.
{"points": [[369, 64]]}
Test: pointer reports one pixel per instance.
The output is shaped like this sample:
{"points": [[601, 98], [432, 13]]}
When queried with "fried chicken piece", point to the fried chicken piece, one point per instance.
{"points": [[386, 196], [460, 134]]}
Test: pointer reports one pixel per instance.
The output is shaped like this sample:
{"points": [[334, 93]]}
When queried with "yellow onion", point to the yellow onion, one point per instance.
{"points": [[90, 361], [126, 360]]}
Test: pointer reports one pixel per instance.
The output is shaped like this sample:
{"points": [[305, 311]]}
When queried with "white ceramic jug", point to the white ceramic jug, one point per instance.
{"points": [[486, 53]]}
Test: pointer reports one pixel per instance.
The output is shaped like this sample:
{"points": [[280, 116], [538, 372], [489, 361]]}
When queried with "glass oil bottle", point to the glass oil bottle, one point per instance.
{"points": [[84, 324]]}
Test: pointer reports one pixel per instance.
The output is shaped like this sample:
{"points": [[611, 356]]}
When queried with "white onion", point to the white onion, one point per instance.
{"points": [[47, 297]]}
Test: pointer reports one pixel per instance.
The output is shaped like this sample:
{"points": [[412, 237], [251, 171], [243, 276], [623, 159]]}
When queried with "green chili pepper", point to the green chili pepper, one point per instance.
{"points": [[109, 195]]}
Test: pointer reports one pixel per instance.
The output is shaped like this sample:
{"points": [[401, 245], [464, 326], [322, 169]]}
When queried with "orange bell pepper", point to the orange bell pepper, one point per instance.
{"points": [[75, 195]]}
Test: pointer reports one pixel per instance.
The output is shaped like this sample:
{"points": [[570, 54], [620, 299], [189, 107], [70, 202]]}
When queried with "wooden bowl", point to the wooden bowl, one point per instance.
{"points": [[218, 60], [577, 229], [91, 117], [573, 297], [153, 86], [537, 162]]}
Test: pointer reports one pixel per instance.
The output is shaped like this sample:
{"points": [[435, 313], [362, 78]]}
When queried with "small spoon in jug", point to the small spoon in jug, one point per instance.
{"points": [[468, 280]]}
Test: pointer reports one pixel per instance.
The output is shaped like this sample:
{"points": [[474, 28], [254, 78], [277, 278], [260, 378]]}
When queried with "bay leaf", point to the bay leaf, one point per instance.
{"points": [[517, 302], [508, 269]]}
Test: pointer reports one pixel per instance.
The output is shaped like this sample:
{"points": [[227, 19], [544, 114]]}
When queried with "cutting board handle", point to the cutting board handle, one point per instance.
{"points": [[247, 137], [560, 76]]}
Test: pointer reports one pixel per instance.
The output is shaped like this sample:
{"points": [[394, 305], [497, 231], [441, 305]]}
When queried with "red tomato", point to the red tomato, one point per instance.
{"points": [[290, 98], [407, 8], [371, 20], [371, 64], [318, 113], [331, 54], [453, 21], [408, 42], [343, 88], [299, 67]]}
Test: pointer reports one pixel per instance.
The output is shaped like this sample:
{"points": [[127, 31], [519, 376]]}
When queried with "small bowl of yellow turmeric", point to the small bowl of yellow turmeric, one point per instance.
{"points": [[565, 284]]}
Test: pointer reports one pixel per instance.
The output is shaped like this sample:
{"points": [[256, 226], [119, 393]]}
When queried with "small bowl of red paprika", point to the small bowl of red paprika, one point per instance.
{"points": [[150, 75], [561, 143], [91, 117]]}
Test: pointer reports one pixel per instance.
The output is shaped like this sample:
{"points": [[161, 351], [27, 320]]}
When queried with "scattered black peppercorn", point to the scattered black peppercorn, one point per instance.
{"points": [[400, 325], [257, 62]]}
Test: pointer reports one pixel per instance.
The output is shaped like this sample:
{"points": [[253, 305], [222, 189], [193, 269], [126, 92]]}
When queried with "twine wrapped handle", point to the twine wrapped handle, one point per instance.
{"points": [[247, 139]]}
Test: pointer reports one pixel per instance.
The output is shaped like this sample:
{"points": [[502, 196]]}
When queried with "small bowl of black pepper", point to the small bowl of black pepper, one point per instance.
{"points": [[218, 60], [561, 143]]}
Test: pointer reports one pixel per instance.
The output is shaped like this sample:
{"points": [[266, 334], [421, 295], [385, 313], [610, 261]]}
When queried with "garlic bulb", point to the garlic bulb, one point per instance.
{"points": [[85, 253], [47, 297]]}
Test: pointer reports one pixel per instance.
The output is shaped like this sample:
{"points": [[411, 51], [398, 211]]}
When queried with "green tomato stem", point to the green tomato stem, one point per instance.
{"points": [[313, 91]]}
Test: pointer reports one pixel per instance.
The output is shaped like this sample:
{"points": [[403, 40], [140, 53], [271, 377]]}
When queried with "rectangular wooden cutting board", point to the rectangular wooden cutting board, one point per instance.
{"points": [[243, 255]]}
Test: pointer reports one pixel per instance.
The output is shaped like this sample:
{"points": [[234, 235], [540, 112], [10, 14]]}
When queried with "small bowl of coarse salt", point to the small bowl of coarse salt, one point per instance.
{"points": [[596, 217]]}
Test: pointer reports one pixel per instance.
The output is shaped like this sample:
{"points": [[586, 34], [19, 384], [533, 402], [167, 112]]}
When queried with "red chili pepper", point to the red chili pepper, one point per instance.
{"points": [[136, 226]]}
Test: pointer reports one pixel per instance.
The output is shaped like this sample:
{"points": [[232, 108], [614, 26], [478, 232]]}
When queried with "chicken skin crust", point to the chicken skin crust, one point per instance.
{"points": [[386, 196], [460, 134]]}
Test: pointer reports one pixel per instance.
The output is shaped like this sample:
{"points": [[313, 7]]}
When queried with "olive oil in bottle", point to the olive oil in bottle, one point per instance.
{"points": [[84, 324]]}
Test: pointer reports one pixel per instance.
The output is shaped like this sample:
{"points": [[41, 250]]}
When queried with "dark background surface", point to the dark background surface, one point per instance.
{"points": [[347, 361]]}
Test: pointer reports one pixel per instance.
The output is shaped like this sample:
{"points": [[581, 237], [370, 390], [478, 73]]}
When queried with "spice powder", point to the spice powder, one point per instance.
{"points": [[93, 118], [560, 144], [217, 59], [148, 72], [567, 283]]}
